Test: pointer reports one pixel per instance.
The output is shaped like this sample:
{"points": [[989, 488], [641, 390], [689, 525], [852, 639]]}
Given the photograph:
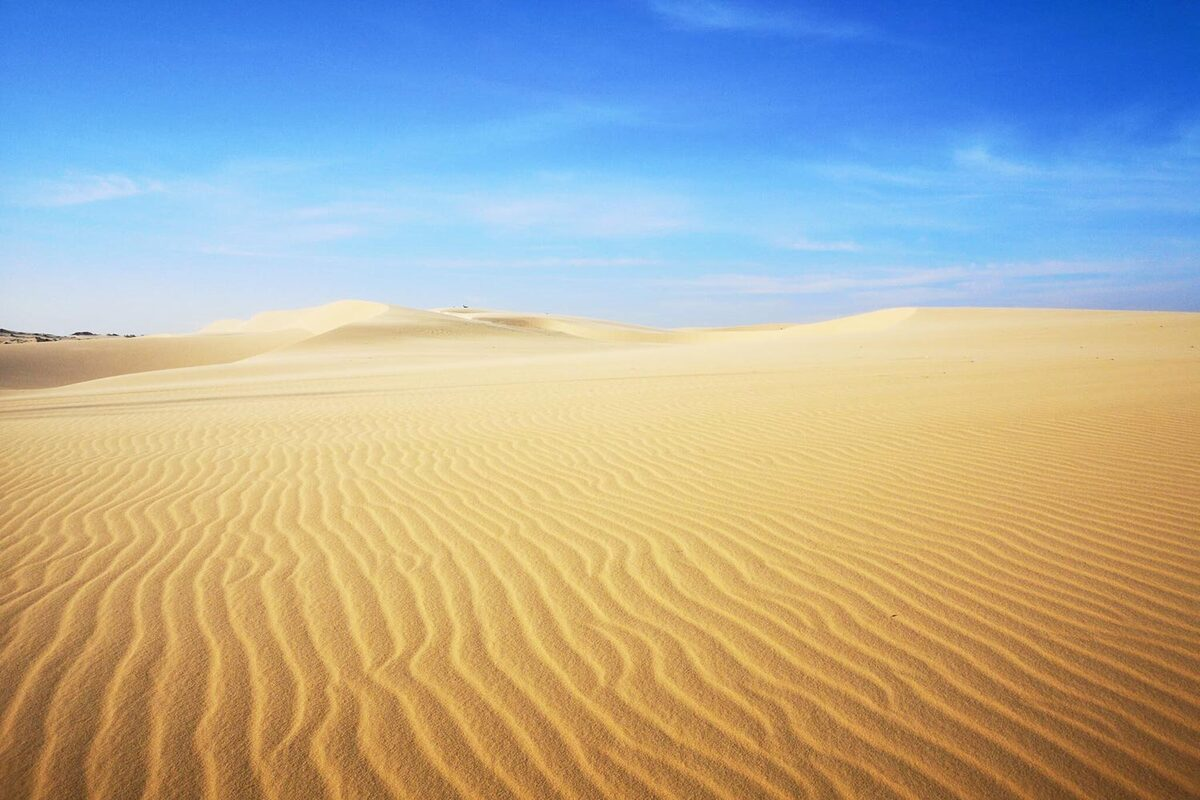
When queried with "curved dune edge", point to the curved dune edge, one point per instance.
{"points": [[606, 331], [955, 556], [365, 326], [579, 327], [314, 320], [350, 324], [53, 364], [56, 364], [870, 322]]}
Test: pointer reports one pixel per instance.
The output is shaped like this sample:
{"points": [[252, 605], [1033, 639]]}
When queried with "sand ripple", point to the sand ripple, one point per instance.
{"points": [[873, 566]]}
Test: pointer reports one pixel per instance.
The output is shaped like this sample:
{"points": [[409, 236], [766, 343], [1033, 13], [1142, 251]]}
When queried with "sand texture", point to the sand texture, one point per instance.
{"points": [[919, 553]]}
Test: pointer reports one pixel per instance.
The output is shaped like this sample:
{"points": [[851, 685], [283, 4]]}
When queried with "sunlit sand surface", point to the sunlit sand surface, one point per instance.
{"points": [[919, 553]]}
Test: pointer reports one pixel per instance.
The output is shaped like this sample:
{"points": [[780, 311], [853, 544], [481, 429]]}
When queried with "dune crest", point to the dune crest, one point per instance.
{"points": [[314, 320], [578, 327], [432, 554], [50, 364], [871, 322]]}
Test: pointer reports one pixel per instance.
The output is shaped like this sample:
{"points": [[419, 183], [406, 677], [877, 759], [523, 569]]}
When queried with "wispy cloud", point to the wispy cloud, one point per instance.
{"points": [[528, 119], [805, 245], [325, 232], [559, 120], [718, 15], [974, 183], [735, 283], [535, 263], [226, 251], [80, 189], [570, 206], [542, 221], [981, 158], [967, 276], [596, 213]]}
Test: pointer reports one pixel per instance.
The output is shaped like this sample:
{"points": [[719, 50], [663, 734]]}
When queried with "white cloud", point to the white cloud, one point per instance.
{"points": [[815, 284], [550, 123], [598, 213], [809, 246], [719, 15], [975, 185], [981, 158], [324, 232], [544, 262], [237, 252], [872, 280], [80, 189]]}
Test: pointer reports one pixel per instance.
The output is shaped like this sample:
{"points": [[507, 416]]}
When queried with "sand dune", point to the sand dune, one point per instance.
{"points": [[37, 365], [578, 327], [922, 553], [310, 320]]}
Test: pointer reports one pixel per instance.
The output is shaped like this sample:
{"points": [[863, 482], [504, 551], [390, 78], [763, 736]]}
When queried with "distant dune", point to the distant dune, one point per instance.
{"points": [[310, 320], [367, 551], [38, 365]]}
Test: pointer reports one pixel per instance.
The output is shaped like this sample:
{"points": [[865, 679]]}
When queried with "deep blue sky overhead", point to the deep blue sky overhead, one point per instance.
{"points": [[668, 162]]}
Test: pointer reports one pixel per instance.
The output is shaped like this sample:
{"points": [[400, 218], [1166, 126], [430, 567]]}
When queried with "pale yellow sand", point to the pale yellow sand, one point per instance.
{"points": [[918, 553], [36, 365]]}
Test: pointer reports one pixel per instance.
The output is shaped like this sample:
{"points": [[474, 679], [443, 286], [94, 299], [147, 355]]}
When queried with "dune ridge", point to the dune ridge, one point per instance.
{"points": [[922, 553], [314, 320], [43, 365]]}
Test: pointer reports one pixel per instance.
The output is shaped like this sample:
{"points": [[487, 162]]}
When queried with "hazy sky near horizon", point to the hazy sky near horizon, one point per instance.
{"points": [[668, 162]]}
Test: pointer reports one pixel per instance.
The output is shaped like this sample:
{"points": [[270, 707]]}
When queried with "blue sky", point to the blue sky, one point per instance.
{"points": [[673, 162]]}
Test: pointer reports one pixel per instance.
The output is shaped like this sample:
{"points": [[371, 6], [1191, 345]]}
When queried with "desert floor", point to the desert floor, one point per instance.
{"points": [[919, 553]]}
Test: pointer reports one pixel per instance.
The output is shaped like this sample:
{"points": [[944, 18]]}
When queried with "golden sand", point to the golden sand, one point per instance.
{"points": [[919, 553]]}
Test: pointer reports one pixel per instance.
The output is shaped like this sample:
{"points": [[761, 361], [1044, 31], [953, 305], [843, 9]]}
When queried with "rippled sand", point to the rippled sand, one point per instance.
{"points": [[918, 553]]}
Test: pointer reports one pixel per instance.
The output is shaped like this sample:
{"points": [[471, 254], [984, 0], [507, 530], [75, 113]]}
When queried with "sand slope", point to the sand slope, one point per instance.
{"points": [[37, 365], [925, 553], [310, 320]]}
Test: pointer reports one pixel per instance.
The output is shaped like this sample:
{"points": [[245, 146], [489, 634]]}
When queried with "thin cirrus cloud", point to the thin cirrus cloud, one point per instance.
{"points": [[93, 188], [557, 121], [537, 263], [978, 157], [805, 245], [815, 284], [590, 211], [568, 211], [900, 278], [586, 214], [975, 188], [1171, 165], [717, 15]]}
